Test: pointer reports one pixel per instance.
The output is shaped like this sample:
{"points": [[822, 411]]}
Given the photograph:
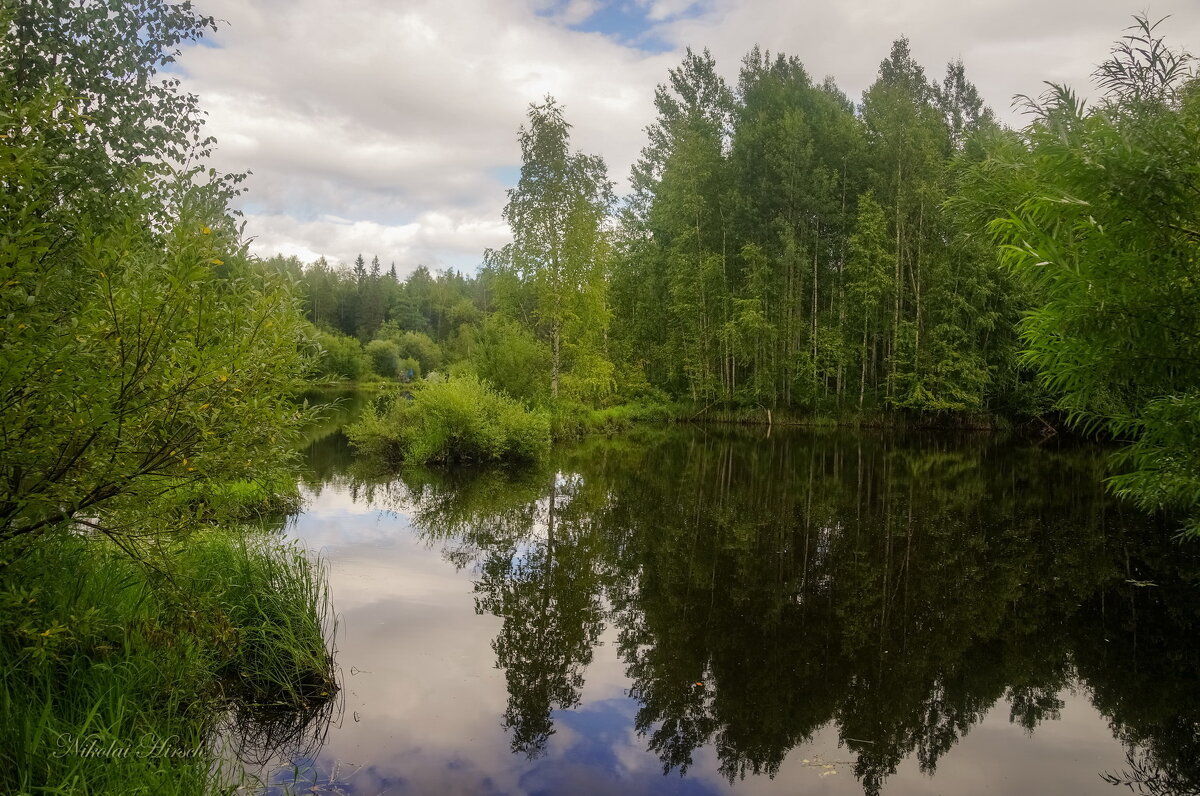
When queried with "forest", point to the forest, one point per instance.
{"points": [[903, 259], [783, 247]]}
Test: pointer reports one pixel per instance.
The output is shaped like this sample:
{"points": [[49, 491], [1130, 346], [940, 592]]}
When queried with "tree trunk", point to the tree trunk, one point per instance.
{"points": [[555, 340]]}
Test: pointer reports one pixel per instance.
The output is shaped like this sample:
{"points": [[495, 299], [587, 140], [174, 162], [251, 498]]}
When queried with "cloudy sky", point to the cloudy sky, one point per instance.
{"points": [[388, 127]]}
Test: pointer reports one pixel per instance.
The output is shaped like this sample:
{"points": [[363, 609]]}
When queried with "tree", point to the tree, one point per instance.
{"points": [[1105, 232], [794, 171], [143, 351], [671, 277], [100, 60], [869, 280], [385, 357], [961, 105], [135, 363], [552, 275]]}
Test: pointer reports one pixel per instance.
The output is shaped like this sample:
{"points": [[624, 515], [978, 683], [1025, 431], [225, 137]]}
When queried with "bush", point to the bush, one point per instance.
{"points": [[342, 357], [460, 419], [413, 345], [510, 357], [385, 358]]}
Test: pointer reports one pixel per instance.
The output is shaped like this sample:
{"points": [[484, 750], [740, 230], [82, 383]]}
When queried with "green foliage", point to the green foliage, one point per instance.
{"points": [[418, 346], [1105, 231], [274, 494], [573, 420], [143, 350], [127, 364], [341, 357], [781, 249], [553, 275], [97, 648], [385, 357], [509, 356], [147, 379], [461, 419], [367, 303], [100, 60], [279, 603]]}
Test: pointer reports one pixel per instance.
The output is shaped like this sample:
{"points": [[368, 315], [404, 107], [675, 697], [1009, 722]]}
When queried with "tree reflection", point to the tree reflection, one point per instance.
{"points": [[529, 536], [764, 588]]}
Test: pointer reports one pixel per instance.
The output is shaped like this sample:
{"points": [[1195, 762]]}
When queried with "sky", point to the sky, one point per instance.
{"points": [[389, 127]]}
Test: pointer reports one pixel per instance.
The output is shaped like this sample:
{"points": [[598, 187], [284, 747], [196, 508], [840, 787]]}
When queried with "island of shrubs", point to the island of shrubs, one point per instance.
{"points": [[460, 419]]}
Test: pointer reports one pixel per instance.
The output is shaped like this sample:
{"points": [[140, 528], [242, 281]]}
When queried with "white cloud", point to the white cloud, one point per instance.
{"points": [[402, 118], [436, 239], [1008, 46], [390, 128]]}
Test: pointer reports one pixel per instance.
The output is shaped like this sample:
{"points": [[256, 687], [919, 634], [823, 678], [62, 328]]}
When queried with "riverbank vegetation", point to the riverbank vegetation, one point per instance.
{"points": [[787, 252], [460, 420], [105, 652], [149, 368]]}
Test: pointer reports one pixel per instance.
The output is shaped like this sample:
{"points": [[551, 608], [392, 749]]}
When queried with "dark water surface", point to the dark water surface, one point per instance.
{"points": [[708, 609]]}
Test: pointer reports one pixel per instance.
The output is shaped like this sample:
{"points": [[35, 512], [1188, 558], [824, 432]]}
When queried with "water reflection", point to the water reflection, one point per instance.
{"points": [[766, 595]]}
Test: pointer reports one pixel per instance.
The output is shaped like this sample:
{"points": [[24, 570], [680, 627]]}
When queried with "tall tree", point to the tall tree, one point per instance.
{"points": [[909, 142], [675, 253], [554, 269]]}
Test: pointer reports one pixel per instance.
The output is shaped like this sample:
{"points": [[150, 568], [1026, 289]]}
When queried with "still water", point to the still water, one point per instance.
{"points": [[703, 610]]}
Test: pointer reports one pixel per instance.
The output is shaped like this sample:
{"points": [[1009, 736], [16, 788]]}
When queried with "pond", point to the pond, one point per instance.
{"points": [[716, 609]]}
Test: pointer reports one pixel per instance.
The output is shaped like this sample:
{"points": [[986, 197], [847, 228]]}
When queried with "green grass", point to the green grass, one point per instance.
{"points": [[100, 653], [823, 417], [573, 421], [462, 419], [241, 500]]}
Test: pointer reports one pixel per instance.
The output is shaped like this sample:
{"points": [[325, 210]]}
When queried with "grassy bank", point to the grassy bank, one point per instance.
{"points": [[116, 675], [466, 419], [572, 421], [890, 419]]}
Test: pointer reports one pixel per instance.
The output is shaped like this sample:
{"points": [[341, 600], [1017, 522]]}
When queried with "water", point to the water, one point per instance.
{"points": [[707, 610]]}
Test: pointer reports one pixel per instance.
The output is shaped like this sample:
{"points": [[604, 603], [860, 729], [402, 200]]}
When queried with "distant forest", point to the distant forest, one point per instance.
{"points": [[782, 246], [785, 247]]}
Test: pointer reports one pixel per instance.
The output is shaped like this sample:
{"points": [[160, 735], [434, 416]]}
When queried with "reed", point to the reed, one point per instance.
{"points": [[117, 675]]}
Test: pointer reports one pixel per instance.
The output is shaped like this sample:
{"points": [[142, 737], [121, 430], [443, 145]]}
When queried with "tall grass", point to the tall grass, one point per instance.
{"points": [[115, 675], [274, 495], [459, 420], [570, 420], [279, 605]]}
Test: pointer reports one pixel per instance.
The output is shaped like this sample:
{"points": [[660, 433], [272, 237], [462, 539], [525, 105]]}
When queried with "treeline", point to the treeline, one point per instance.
{"points": [[372, 324], [784, 246]]}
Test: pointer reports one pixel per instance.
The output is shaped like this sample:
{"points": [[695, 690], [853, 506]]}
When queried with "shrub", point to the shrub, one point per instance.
{"points": [[342, 357], [385, 357], [459, 419], [413, 345], [510, 357]]}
